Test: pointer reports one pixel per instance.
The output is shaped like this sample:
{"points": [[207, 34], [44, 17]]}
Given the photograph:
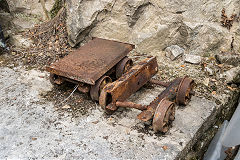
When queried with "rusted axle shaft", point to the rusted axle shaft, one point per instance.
{"points": [[158, 82], [131, 105], [166, 84], [177, 91]]}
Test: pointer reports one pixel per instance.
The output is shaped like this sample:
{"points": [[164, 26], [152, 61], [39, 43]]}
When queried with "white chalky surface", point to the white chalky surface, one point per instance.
{"points": [[31, 127]]}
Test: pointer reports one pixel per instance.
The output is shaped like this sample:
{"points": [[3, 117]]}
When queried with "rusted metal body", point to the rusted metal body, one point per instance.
{"points": [[96, 89], [91, 65], [123, 66], [92, 68], [157, 82], [130, 105], [164, 115], [128, 84], [161, 110], [91, 61], [178, 91]]}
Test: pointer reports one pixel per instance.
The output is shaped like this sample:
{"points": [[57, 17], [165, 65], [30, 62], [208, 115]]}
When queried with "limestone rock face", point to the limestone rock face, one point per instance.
{"points": [[32, 7], [83, 16], [25, 13], [153, 25]]}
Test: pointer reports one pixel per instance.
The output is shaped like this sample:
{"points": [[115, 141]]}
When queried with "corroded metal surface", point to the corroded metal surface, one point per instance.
{"points": [[169, 93], [123, 66], [184, 91], [91, 61], [158, 82], [54, 79], [180, 87], [164, 115], [128, 84], [162, 109], [96, 89], [84, 88], [130, 105]]}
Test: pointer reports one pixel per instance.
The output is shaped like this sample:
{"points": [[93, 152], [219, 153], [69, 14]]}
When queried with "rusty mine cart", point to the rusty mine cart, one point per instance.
{"points": [[101, 67]]}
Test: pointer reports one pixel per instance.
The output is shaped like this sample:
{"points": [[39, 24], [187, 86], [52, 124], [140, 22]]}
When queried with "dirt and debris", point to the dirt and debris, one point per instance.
{"points": [[78, 105], [228, 21], [50, 43]]}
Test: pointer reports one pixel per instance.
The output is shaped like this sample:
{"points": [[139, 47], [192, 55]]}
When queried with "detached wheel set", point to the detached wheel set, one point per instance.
{"points": [[102, 69]]}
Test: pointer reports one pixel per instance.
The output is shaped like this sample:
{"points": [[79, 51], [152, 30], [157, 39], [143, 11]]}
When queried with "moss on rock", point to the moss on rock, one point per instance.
{"points": [[56, 7]]}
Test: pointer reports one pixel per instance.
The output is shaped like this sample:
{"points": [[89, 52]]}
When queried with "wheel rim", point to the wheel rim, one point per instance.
{"points": [[183, 92], [97, 88], [123, 66], [164, 115]]}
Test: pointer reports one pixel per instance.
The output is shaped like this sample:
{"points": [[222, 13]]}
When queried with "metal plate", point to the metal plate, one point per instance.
{"points": [[91, 61]]}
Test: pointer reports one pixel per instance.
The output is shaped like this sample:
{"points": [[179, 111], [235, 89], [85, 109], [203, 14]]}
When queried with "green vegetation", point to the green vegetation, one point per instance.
{"points": [[56, 7]]}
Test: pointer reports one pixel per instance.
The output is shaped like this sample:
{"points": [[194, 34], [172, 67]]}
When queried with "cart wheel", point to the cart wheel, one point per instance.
{"points": [[123, 66], [184, 91], [164, 115], [55, 80], [105, 101], [99, 85]]}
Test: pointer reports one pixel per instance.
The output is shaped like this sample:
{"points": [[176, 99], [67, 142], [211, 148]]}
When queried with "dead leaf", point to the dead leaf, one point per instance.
{"points": [[214, 93], [183, 65], [213, 80], [164, 148], [211, 58], [232, 89], [66, 107], [95, 122], [34, 138]]}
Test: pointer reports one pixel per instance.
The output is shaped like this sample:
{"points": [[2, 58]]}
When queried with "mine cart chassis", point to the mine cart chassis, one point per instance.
{"points": [[101, 67], [92, 65]]}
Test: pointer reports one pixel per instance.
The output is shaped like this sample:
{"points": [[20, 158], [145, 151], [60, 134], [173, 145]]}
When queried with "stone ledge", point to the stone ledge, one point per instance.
{"points": [[32, 127]]}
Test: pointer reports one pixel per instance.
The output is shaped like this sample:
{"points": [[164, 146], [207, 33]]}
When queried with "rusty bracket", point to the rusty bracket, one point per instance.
{"points": [[128, 84]]}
